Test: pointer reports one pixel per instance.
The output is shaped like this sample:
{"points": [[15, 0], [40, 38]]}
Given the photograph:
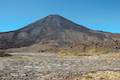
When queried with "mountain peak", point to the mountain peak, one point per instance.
{"points": [[54, 15]]}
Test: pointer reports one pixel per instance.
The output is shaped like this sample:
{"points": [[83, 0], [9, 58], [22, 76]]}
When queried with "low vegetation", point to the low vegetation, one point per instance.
{"points": [[4, 54], [89, 49], [102, 75]]}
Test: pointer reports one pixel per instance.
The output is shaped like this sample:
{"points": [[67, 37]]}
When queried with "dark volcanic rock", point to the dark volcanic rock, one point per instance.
{"points": [[52, 27]]}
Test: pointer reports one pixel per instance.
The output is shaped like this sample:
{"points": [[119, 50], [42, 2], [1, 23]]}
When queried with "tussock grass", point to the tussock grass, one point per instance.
{"points": [[102, 75], [70, 52]]}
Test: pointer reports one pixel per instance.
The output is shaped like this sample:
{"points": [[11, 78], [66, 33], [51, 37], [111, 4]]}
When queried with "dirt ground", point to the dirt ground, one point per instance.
{"points": [[49, 66]]}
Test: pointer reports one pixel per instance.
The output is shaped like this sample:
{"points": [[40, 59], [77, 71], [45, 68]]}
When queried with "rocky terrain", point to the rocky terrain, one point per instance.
{"points": [[39, 66]]}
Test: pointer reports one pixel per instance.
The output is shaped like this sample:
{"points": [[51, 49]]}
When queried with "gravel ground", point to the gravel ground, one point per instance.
{"points": [[51, 67]]}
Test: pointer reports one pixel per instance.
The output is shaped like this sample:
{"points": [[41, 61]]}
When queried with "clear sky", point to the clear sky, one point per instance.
{"points": [[95, 14]]}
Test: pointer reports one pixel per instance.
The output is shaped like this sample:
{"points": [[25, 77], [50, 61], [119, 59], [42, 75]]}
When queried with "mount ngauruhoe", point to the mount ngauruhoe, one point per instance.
{"points": [[55, 33]]}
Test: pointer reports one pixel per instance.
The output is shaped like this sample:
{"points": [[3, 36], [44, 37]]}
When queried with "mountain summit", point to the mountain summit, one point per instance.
{"points": [[55, 30]]}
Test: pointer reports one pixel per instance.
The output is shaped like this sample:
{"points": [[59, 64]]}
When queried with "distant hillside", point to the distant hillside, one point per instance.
{"points": [[56, 33]]}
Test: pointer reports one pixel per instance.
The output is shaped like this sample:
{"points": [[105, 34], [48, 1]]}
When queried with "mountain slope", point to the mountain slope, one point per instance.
{"points": [[53, 30]]}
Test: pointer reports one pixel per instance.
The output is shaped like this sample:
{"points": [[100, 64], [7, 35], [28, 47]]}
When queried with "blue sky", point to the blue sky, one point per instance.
{"points": [[95, 14]]}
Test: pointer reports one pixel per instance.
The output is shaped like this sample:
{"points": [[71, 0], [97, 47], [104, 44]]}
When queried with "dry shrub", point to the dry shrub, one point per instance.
{"points": [[4, 54]]}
